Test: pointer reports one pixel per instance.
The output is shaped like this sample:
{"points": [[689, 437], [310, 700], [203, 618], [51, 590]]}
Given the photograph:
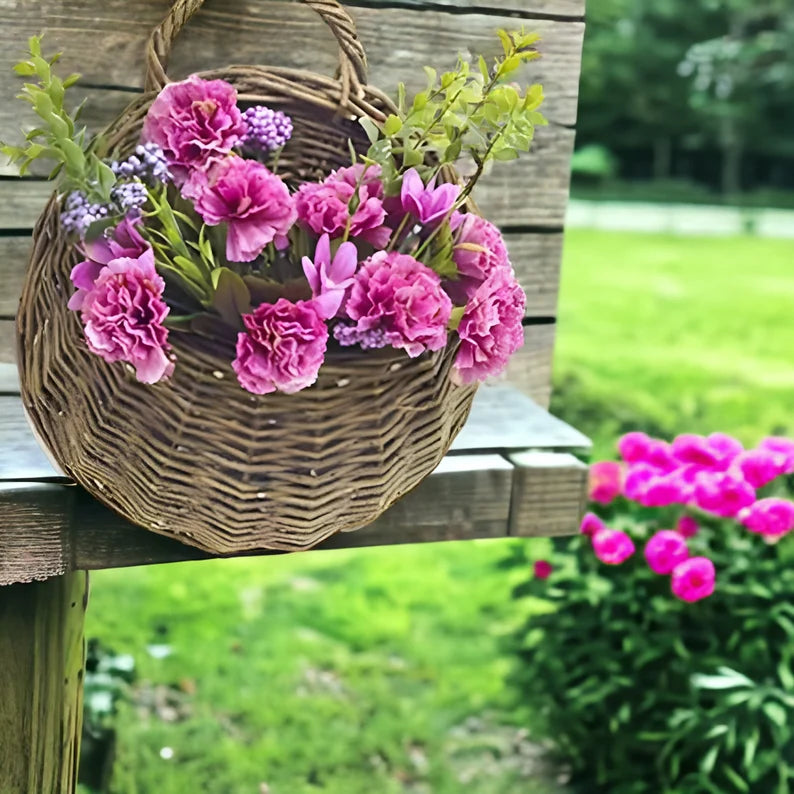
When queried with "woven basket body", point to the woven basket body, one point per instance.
{"points": [[197, 457]]}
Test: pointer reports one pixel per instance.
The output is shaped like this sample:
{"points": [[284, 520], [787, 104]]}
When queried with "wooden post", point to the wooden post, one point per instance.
{"points": [[42, 658]]}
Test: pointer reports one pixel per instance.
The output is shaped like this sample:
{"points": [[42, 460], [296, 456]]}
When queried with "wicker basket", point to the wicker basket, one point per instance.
{"points": [[196, 457]]}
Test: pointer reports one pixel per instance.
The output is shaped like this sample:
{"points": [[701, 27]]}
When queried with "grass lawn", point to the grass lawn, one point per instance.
{"points": [[378, 671]]}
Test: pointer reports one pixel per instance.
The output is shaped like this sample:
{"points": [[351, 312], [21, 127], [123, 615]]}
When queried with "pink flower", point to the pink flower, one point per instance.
{"points": [[330, 278], [717, 451], [634, 447], [722, 493], [479, 250], [123, 315], [612, 546], [782, 449], [591, 523], [125, 242], [760, 466], [605, 481], [772, 517], [662, 490], [638, 478], [542, 569], [693, 579], [194, 122], [687, 527], [253, 202], [396, 294], [490, 330], [428, 204], [283, 349], [327, 207], [665, 550]]}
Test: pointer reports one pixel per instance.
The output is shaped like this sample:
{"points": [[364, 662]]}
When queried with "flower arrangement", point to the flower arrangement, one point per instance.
{"points": [[197, 232]]}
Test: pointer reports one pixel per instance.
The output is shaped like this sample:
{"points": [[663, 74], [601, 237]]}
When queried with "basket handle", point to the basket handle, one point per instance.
{"points": [[352, 59]]}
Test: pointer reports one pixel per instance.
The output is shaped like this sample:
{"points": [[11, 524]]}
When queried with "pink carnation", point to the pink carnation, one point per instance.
{"points": [[638, 478], [591, 523], [640, 448], [772, 517], [693, 579], [605, 481], [479, 251], [665, 550], [783, 451], [396, 294], [283, 348], [542, 569], [717, 451], [612, 546], [124, 242], [662, 490], [254, 203], [490, 330], [325, 208], [123, 315], [760, 466], [722, 493], [687, 527], [194, 122]]}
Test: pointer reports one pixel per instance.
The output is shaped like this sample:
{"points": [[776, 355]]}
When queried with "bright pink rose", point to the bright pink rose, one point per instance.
{"points": [[330, 278], [687, 527], [693, 579], [612, 546], [429, 204], [194, 122], [123, 315], [396, 294], [638, 478], [283, 349], [760, 466], [325, 208], [542, 569], [772, 517], [662, 490], [715, 452], [490, 330], [634, 447], [125, 242], [254, 203], [479, 250], [591, 523], [665, 550], [722, 493], [782, 449], [605, 481]]}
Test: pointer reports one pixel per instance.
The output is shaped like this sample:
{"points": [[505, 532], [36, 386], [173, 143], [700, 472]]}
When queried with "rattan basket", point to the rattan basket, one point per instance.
{"points": [[196, 457]]}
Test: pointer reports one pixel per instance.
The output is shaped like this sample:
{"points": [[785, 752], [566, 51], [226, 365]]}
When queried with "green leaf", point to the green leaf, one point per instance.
{"points": [[709, 759], [370, 128], [25, 69], [231, 298], [392, 125], [775, 712], [456, 317]]}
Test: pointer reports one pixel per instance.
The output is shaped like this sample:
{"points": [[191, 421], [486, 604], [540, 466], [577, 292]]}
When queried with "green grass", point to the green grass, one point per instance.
{"points": [[675, 334]]}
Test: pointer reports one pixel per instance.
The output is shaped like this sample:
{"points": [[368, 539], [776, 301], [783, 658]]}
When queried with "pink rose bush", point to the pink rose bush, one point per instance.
{"points": [[202, 232]]}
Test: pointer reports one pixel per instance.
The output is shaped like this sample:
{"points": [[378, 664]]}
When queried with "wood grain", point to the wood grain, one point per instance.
{"points": [[42, 659], [530, 368], [549, 493], [558, 9]]}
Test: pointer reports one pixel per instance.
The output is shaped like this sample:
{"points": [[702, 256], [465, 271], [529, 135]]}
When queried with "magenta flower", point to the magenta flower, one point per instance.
{"points": [[124, 242], [542, 569], [760, 466], [665, 550], [605, 481], [716, 452], [634, 447], [638, 478], [283, 348], [591, 523], [612, 546], [490, 330], [123, 315], [722, 493], [396, 294], [253, 202], [771, 517], [330, 278], [693, 579], [687, 527], [194, 122], [328, 207], [783, 451], [429, 204], [662, 490], [479, 250]]}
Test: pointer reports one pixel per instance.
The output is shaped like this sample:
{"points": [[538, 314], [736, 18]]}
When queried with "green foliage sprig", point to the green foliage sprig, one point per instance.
{"points": [[59, 139], [472, 112]]}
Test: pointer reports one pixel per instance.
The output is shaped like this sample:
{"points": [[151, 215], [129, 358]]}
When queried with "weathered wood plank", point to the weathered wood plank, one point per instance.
{"points": [[536, 258], [549, 493], [42, 658], [557, 9], [530, 368]]}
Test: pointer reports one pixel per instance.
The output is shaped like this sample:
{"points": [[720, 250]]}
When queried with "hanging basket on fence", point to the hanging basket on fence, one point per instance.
{"points": [[195, 456]]}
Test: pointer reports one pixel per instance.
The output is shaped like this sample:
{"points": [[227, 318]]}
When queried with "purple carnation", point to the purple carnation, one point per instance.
{"points": [[282, 349], [194, 122], [490, 330], [395, 294]]}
